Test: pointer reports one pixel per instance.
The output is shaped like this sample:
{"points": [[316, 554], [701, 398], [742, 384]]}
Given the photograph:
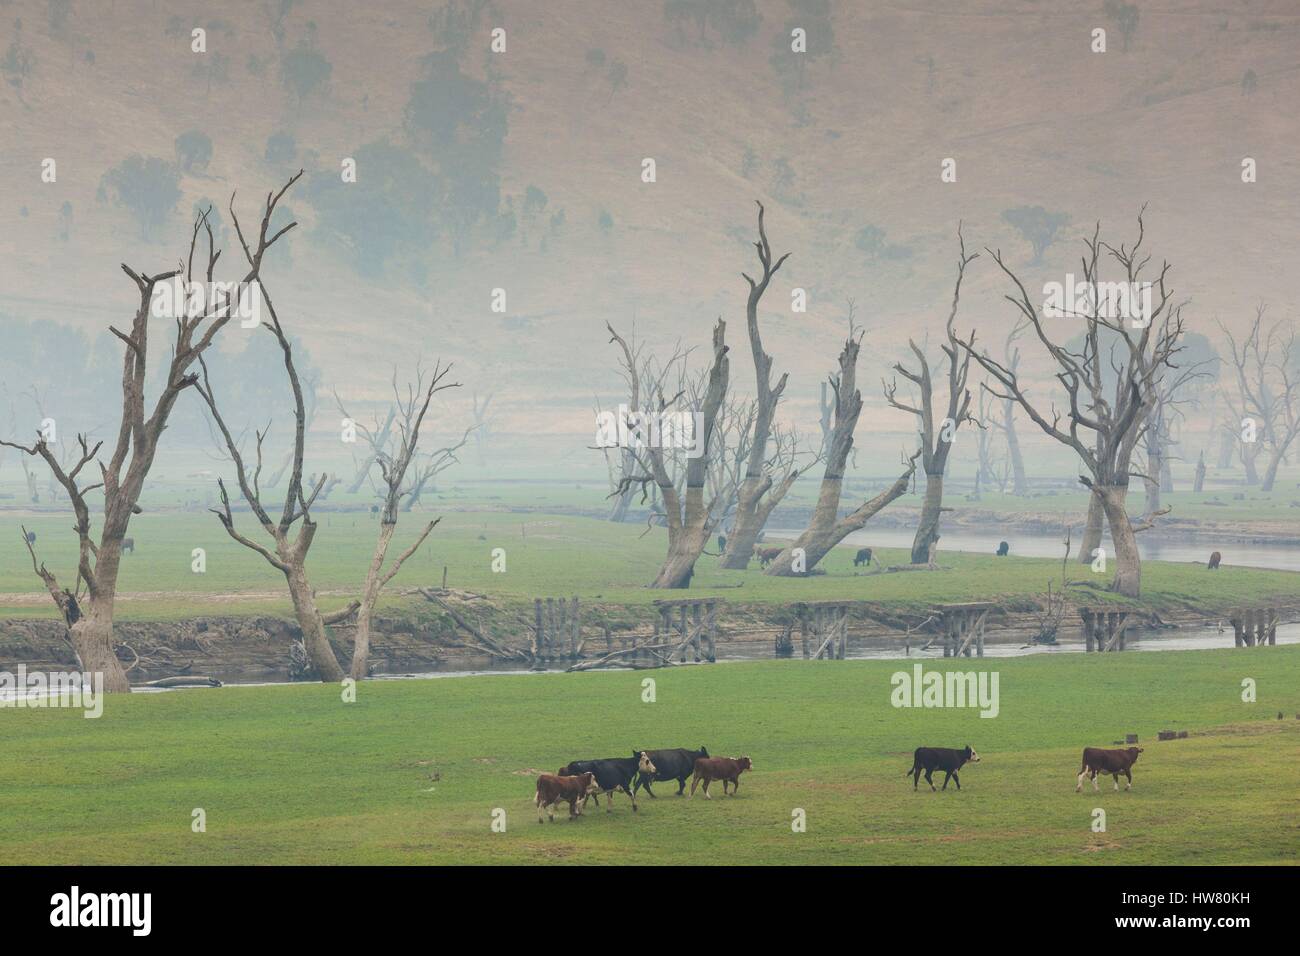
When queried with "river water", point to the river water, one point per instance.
{"points": [[1037, 545]]}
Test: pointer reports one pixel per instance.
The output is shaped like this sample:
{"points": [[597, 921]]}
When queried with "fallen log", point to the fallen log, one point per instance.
{"points": [[192, 681], [496, 647]]}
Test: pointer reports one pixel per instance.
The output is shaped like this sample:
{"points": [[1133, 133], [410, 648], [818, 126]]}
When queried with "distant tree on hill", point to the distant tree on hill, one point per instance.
{"points": [[148, 187], [1125, 16], [280, 148], [193, 151], [304, 71], [734, 21], [17, 62], [1036, 225]]}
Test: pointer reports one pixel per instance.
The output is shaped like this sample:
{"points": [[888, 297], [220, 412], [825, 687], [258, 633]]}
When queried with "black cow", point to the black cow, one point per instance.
{"points": [[128, 544], [1215, 558], [930, 759], [1003, 549], [863, 557], [670, 765], [613, 773], [31, 537]]}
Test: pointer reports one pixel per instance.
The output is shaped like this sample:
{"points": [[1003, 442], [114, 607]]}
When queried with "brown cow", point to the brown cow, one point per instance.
{"points": [[767, 555], [553, 789], [726, 769], [1113, 762], [1215, 558]]}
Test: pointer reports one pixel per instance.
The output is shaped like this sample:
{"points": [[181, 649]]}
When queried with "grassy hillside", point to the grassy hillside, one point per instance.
{"points": [[412, 771]]}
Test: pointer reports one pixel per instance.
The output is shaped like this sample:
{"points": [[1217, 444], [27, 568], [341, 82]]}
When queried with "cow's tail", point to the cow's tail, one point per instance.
{"points": [[912, 769]]}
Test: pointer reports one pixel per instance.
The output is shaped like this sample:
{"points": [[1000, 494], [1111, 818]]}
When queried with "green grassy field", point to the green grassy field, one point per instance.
{"points": [[545, 556], [412, 771]]}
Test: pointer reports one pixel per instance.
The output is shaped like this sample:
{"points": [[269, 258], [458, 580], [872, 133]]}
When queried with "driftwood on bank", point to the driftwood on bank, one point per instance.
{"points": [[194, 681], [491, 645]]}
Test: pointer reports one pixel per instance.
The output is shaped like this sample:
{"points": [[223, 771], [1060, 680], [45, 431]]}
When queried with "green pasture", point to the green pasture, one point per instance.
{"points": [[413, 771]]}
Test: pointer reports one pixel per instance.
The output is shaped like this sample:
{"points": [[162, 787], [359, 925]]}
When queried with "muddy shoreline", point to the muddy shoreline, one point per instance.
{"points": [[257, 649]]}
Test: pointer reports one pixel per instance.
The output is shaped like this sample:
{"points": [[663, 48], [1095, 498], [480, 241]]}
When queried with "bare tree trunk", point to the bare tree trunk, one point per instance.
{"points": [[1128, 562], [1093, 527], [927, 530], [1270, 473], [314, 638]]}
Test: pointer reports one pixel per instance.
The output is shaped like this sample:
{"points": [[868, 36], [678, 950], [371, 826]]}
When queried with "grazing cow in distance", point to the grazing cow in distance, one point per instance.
{"points": [[929, 759], [128, 544], [614, 773], [766, 555], [670, 765], [726, 769], [1003, 549], [1215, 558], [552, 789], [31, 537], [1113, 762], [864, 556]]}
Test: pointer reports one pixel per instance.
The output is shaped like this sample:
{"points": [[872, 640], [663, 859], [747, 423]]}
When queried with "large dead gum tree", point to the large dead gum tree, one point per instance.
{"points": [[762, 489], [1007, 423], [289, 545], [690, 507], [394, 463], [937, 437], [827, 528], [88, 613], [1264, 397], [1103, 424]]}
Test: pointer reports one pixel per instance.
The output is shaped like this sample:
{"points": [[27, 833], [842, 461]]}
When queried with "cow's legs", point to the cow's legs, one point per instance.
{"points": [[947, 775], [735, 785], [539, 809], [916, 776], [643, 782], [631, 794], [1129, 774], [929, 779], [707, 781], [681, 786], [609, 801], [1095, 788], [694, 781], [957, 779]]}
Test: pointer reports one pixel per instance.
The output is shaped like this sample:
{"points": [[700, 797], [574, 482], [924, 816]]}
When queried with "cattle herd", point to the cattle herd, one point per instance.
{"points": [[581, 780]]}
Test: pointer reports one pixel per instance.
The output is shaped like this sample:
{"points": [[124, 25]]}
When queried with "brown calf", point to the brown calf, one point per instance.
{"points": [[553, 789], [726, 769], [1215, 558], [767, 555], [1113, 762]]}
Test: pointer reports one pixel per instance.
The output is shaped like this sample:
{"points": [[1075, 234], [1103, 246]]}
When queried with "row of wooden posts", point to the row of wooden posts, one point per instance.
{"points": [[688, 629]]}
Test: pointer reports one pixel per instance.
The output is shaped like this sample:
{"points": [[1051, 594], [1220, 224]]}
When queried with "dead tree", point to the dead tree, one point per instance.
{"points": [[430, 466], [690, 512], [29, 476], [482, 424], [1011, 357], [122, 478], [827, 528], [937, 437], [288, 553], [762, 490], [1113, 417], [394, 464], [381, 436], [1264, 400]]}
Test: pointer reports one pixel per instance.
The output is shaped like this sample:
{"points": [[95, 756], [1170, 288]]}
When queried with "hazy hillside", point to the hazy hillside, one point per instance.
{"points": [[522, 169]]}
